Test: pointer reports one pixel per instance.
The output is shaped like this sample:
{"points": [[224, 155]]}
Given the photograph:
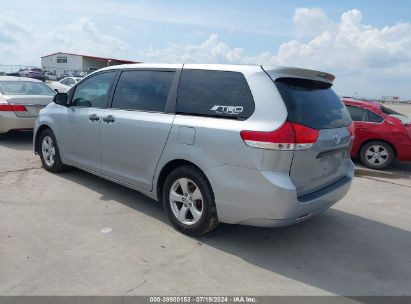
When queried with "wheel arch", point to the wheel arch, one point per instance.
{"points": [[170, 166], [40, 130], [375, 139]]}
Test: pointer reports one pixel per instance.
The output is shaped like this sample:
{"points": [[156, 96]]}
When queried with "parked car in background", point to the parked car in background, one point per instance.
{"points": [[253, 145], [20, 101], [79, 73], [65, 74], [16, 73], [51, 76], [381, 134], [32, 72], [64, 85]]}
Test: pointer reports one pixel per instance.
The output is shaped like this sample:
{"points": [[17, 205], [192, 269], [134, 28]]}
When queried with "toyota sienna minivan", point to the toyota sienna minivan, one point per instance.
{"points": [[239, 144]]}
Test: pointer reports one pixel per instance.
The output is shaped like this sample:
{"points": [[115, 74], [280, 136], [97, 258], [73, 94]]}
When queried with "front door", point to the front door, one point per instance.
{"points": [[81, 126]]}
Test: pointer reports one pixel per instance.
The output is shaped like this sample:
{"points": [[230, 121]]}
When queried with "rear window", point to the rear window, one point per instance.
{"points": [[313, 103], [25, 88], [389, 111], [215, 94]]}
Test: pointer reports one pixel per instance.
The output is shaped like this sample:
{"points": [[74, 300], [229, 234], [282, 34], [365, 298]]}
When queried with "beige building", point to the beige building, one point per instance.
{"points": [[69, 62]]}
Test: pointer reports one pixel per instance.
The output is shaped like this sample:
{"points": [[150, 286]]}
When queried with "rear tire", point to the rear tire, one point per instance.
{"points": [[189, 202], [49, 152], [377, 155]]}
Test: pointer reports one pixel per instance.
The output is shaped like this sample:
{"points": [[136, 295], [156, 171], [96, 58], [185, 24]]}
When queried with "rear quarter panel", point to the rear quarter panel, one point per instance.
{"points": [[217, 141], [390, 130]]}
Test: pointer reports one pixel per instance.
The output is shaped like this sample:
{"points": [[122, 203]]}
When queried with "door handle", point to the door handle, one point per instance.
{"points": [[94, 117], [108, 119], [362, 129]]}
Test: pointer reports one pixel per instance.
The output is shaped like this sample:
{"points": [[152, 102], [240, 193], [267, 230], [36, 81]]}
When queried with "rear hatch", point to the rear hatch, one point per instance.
{"points": [[312, 103]]}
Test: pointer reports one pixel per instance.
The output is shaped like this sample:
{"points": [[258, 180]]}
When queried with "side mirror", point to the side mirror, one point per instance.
{"points": [[60, 99]]}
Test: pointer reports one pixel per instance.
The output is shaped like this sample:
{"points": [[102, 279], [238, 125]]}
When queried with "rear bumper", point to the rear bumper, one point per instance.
{"points": [[9, 121], [269, 199]]}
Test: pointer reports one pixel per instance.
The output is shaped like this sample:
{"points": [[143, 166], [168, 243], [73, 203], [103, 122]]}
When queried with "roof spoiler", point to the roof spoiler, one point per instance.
{"points": [[276, 72]]}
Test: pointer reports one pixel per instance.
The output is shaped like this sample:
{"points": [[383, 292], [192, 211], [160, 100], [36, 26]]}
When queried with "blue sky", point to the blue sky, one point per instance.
{"points": [[366, 44]]}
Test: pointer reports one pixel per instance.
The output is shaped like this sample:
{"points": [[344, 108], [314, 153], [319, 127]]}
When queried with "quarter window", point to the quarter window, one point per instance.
{"points": [[215, 94], [357, 114], [94, 91], [372, 117], [143, 90]]}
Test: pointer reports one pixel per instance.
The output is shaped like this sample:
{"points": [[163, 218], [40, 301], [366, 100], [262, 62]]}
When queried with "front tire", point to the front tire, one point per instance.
{"points": [[49, 152], [189, 202], [377, 155]]}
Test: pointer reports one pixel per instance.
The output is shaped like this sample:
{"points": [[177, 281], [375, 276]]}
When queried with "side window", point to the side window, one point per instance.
{"points": [[143, 90], [70, 82], [94, 91], [372, 117], [357, 114], [215, 94], [64, 81]]}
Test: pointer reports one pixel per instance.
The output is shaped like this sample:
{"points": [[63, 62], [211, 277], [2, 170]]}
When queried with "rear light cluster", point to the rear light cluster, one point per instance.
{"points": [[290, 136], [351, 129], [7, 107]]}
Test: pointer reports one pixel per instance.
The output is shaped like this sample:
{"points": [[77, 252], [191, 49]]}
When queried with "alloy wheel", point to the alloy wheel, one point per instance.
{"points": [[48, 151], [186, 201], [376, 155]]}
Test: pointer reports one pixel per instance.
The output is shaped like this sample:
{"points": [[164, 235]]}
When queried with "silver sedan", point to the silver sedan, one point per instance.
{"points": [[21, 99]]}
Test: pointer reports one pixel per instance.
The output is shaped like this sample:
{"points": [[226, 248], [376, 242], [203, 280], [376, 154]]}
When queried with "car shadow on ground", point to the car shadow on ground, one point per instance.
{"points": [[18, 140], [338, 252]]}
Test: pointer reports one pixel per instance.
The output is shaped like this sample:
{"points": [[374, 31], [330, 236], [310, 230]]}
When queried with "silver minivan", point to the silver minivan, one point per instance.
{"points": [[239, 144]]}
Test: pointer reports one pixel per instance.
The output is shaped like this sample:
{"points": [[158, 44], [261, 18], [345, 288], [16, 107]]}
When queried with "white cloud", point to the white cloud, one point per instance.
{"points": [[21, 44], [378, 59], [86, 37], [310, 22], [366, 59], [211, 50], [11, 30]]}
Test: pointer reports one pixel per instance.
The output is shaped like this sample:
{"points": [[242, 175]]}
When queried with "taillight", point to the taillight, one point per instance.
{"points": [[290, 136], [6, 107], [351, 129]]}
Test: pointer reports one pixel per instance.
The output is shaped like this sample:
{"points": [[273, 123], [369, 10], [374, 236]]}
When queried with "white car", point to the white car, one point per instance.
{"points": [[64, 85], [21, 99], [51, 76]]}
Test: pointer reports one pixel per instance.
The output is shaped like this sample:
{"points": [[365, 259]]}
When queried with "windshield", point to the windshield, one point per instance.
{"points": [[313, 104], [25, 88]]}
